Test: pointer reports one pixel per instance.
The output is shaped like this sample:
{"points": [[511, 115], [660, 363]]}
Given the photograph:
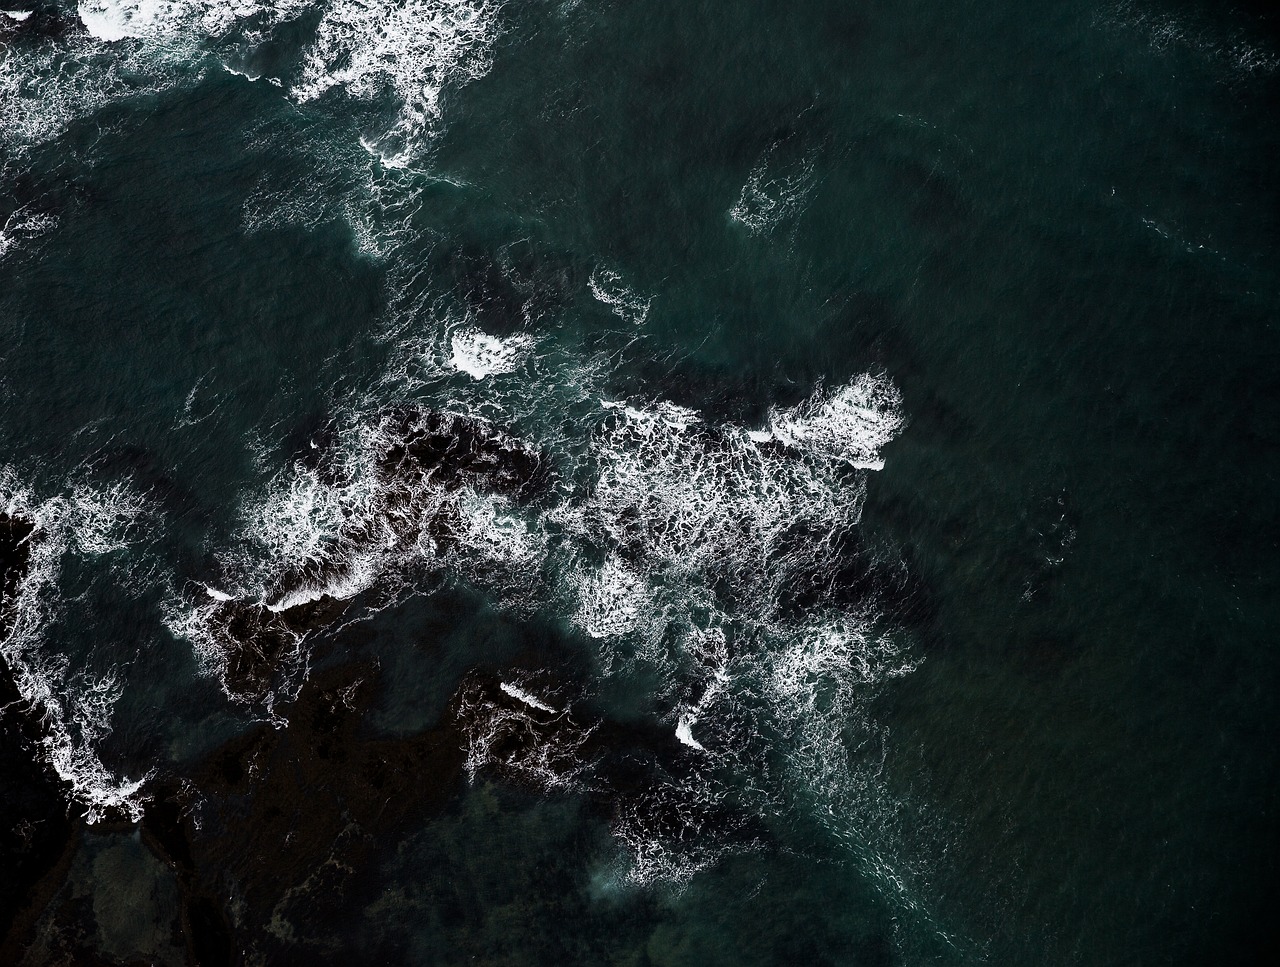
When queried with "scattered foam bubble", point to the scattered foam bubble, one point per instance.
{"points": [[1232, 48], [607, 286], [774, 192], [128, 48]]}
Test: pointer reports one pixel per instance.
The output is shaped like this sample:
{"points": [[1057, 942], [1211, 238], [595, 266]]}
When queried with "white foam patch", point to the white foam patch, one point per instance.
{"points": [[112, 21], [411, 49], [700, 502], [76, 706], [684, 731], [18, 15], [853, 424], [612, 601], [116, 20], [608, 287], [479, 354]]}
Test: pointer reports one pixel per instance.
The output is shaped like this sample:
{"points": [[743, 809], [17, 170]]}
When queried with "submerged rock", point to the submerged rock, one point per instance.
{"points": [[289, 820]]}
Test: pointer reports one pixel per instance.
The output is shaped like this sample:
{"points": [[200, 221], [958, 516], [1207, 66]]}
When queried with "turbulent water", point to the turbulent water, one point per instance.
{"points": [[635, 483]]}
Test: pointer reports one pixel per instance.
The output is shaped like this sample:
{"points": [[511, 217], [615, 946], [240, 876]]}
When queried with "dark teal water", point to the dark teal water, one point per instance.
{"points": [[970, 661]]}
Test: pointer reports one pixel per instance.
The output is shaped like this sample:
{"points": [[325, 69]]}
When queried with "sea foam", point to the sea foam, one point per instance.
{"points": [[76, 705], [411, 49]]}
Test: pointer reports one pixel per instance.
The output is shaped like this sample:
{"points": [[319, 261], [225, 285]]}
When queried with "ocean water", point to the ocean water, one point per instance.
{"points": [[633, 483]]}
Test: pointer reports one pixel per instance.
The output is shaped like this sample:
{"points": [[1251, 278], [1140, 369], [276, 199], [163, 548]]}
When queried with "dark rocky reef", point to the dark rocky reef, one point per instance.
{"points": [[636, 774], [428, 454], [259, 643], [15, 559], [457, 451]]}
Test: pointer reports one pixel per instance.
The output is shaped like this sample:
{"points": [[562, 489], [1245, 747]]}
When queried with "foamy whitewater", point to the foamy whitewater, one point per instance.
{"points": [[75, 701], [405, 53]]}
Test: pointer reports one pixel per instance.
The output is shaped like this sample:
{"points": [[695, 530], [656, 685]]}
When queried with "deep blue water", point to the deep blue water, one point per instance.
{"points": [[638, 483]]}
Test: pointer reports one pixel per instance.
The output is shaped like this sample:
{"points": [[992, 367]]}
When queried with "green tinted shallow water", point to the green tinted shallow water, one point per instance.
{"points": [[1054, 228]]}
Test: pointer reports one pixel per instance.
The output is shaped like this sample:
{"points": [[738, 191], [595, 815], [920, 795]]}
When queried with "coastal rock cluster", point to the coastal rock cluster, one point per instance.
{"points": [[315, 788]]}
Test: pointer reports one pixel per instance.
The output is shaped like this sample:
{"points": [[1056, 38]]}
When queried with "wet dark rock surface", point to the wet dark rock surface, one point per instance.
{"points": [[457, 451], [262, 644]]}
